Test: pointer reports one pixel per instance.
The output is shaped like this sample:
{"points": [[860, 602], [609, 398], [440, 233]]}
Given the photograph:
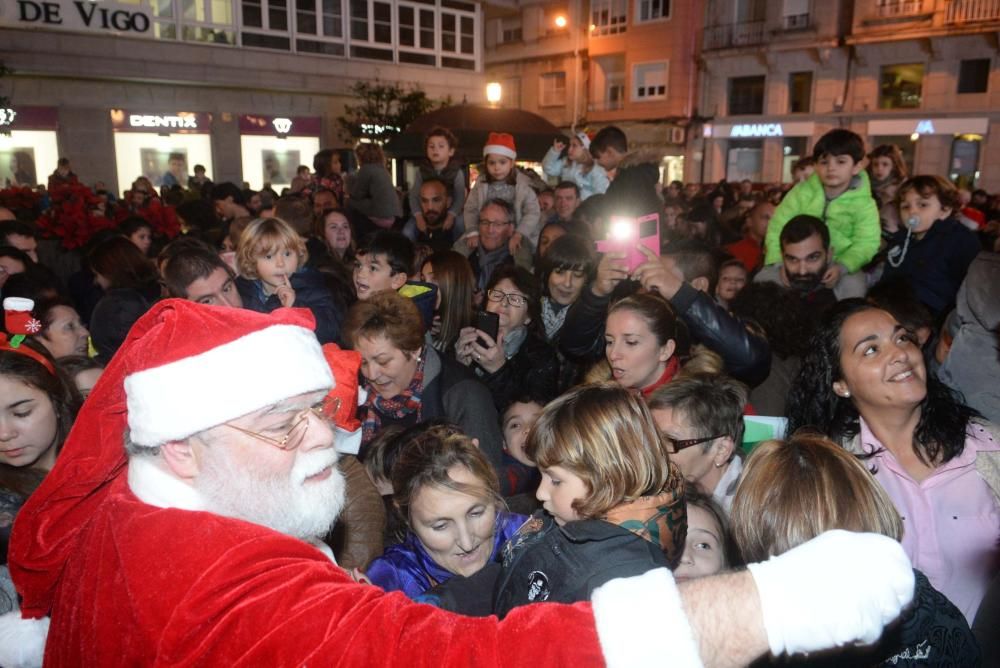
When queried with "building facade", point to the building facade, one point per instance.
{"points": [[921, 74], [583, 65], [248, 88]]}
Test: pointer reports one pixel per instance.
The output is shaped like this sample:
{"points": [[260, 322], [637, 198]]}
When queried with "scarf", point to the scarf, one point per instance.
{"points": [[673, 365], [488, 261], [406, 403], [661, 519], [553, 317]]}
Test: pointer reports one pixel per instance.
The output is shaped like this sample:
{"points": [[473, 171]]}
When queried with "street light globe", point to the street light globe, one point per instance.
{"points": [[561, 21], [493, 92]]}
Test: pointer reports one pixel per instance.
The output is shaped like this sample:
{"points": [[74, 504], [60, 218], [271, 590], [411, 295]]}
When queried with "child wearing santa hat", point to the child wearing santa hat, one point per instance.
{"points": [[500, 179], [578, 166]]}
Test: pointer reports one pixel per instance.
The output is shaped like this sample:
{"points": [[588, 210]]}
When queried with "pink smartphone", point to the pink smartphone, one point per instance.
{"points": [[624, 234]]}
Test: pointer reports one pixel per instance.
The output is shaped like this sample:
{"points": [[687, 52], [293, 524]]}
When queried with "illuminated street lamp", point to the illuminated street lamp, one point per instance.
{"points": [[493, 93], [561, 21]]}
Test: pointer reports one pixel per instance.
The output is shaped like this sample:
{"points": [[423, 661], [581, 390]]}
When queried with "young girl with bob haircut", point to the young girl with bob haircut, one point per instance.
{"points": [[448, 495], [824, 487], [887, 170], [613, 502], [271, 259]]}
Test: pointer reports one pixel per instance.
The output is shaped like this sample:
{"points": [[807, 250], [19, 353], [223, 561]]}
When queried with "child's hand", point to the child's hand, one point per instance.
{"points": [[286, 295], [421, 223], [833, 275], [472, 241], [515, 242], [558, 146], [449, 221]]}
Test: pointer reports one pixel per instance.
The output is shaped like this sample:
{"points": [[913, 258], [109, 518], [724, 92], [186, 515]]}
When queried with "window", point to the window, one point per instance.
{"points": [[792, 150], [608, 17], [795, 14], [552, 91], [323, 18], [799, 92], [745, 160], [649, 81], [887, 8], [746, 95], [965, 150], [510, 31], [974, 75], [652, 10], [415, 34], [607, 82], [901, 86]]}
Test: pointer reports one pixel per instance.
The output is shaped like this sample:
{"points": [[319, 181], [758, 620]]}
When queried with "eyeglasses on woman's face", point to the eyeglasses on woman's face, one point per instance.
{"points": [[512, 298]]}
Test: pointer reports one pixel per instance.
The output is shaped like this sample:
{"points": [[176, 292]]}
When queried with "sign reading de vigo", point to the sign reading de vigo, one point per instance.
{"points": [[77, 15]]}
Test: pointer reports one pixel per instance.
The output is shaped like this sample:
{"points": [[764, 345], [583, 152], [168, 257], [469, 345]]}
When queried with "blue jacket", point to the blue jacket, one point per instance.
{"points": [[408, 568], [936, 264], [310, 292]]}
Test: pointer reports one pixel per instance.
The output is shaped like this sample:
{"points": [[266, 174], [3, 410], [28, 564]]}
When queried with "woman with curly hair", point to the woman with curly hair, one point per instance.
{"points": [[864, 384]]}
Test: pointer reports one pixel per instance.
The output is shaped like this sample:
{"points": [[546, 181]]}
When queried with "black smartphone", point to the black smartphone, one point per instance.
{"points": [[489, 323]]}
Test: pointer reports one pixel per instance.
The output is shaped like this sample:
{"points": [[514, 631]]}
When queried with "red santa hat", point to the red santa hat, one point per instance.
{"points": [[500, 143], [184, 367]]}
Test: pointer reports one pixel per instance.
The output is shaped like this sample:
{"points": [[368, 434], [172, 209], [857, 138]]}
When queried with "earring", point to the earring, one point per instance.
{"points": [[846, 394], [718, 465]]}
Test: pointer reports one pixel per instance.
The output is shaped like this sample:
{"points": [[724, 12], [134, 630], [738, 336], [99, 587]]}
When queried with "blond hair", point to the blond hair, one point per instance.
{"points": [[267, 235], [792, 491], [604, 434]]}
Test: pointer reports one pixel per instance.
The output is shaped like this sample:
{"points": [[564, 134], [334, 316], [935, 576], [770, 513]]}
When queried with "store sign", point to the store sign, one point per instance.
{"points": [[757, 130], [281, 126], [929, 126], [162, 123], [79, 15], [29, 118], [7, 117]]}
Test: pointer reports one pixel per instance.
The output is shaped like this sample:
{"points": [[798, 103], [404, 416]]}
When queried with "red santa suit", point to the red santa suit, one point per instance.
{"points": [[133, 572]]}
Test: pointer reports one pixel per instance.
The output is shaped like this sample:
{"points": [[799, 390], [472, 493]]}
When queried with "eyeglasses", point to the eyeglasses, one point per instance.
{"points": [[292, 439], [495, 224], [675, 445], [512, 298]]}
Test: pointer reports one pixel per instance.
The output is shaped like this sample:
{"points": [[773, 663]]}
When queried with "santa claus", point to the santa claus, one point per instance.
{"points": [[179, 527]]}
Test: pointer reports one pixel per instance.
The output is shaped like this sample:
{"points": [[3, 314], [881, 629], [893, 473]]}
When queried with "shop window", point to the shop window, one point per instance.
{"points": [[792, 150], [964, 171], [649, 81], [799, 92], [608, 17], [974, 75], [745, 160], [746, 95], [901, 86], [552, 90], [651, 10]]}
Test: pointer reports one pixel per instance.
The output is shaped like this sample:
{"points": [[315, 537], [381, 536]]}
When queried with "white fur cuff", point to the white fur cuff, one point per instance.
{"points": [[22, 641], [638, 617]]}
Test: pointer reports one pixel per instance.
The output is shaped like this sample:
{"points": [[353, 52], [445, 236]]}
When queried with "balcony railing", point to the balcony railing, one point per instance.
{"points": [[606, 105], [967, 11], [747, 33], [892, 8]]}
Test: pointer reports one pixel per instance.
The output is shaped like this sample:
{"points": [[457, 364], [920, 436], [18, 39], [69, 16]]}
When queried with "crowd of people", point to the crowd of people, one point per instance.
{"points": [[226, 445]]}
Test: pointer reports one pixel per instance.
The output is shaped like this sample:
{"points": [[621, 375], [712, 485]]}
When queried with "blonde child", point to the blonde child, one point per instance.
{"points": [[501, 179], [613, 502], [578, 166], [270, 259]]}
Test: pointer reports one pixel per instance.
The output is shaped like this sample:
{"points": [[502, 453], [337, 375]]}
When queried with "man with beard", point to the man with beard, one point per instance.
{"points": [[805, 256], [435, 203], [197, 547]]}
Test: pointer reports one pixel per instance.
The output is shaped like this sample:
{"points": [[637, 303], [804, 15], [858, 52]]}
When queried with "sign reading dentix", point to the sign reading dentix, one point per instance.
{"points": [[183, 122], [78, 15]]}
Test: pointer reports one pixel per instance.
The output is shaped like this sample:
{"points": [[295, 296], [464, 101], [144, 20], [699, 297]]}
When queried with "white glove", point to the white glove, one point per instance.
{"points": [[838, 588]]}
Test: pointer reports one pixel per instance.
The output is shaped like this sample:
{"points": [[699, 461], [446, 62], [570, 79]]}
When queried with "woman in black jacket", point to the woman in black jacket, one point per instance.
{"points": [[519, 358]]}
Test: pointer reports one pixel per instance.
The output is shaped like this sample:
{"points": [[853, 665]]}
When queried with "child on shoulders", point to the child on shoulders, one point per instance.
{"points": [[578, 167], [439, 147]]}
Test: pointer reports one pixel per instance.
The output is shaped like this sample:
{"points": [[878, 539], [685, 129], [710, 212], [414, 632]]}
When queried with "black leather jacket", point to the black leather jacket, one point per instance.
{"points": [[747, 356]]}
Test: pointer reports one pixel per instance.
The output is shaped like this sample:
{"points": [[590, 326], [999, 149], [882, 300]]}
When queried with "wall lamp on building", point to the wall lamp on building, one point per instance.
{"points": [[493, 93], [561, 21]]}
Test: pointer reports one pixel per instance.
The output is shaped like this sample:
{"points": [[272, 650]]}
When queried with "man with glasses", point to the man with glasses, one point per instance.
{"points": [[198, 546], [701, 420], [496, 227]]}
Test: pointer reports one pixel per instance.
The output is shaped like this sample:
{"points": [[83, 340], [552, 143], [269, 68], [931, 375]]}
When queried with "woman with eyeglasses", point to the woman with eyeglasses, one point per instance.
{"points": [[408, 381], [519, 358]]}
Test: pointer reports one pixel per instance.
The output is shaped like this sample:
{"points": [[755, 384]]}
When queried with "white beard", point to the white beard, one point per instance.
{"points": [[288, 505]]}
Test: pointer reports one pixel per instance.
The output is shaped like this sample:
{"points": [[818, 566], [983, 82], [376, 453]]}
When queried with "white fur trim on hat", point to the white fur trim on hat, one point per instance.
{"points": [[173, 401], [584, 139], [500, 149], [22, 641], [637, 617]]}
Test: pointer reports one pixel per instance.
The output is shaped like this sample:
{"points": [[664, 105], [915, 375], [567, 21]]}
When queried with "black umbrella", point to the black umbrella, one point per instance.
{"points": [[533, 135]]}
